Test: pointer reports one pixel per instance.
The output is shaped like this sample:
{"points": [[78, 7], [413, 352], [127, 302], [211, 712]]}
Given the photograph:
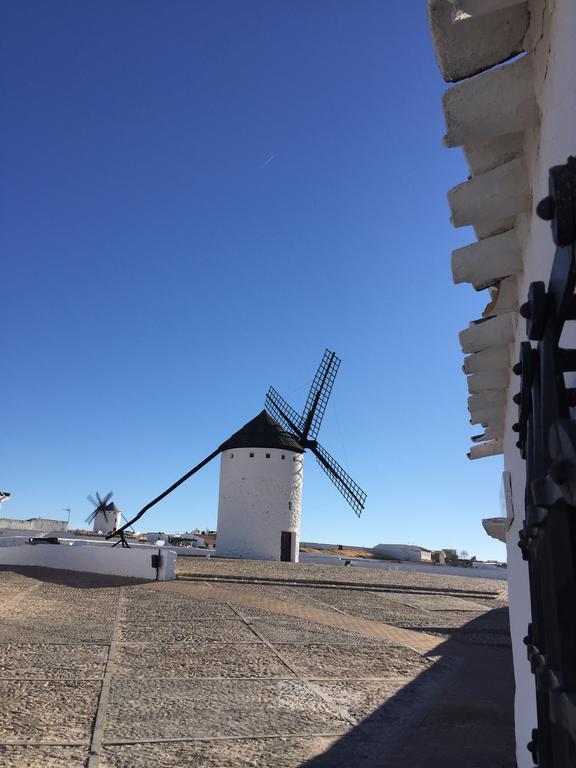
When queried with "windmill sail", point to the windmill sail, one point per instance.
{"points": [[351, 491], [319, 394], [100, 506], [305, 428], [284, 414]]}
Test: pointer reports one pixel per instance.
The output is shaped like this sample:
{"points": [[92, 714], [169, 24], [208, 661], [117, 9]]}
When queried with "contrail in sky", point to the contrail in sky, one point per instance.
{"points": [[269, 160]]}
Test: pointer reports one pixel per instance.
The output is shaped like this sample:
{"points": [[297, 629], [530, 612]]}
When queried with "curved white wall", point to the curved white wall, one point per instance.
{"points": [[259, 498], [549, 144], [105, 523]]}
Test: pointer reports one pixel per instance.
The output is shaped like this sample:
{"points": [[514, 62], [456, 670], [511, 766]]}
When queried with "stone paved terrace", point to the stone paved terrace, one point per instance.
{"points": [[390, 669]]}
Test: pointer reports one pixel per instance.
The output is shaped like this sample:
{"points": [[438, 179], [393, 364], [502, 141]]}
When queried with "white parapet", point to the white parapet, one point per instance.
{"points": [[492, 198], [487, 261], [494, 103], [135, 562], [492, 332]]}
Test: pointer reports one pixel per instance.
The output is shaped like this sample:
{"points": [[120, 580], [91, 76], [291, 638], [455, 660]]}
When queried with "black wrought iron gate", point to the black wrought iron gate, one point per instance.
{"points": [[547, 441]]}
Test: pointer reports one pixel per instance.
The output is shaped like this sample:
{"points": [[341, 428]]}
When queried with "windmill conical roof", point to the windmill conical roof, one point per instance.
{"points": [[262, 432]]}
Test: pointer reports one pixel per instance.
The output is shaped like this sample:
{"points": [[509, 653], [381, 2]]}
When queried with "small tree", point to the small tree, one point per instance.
{"points": [[464, 555], [451, 555]]}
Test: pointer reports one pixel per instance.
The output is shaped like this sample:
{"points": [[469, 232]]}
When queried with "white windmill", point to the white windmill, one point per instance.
{"points": [[106, 516], [261, 475]]}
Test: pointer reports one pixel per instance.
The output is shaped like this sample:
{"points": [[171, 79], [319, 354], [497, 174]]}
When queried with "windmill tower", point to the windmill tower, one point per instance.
{"points": [[261, 472], [106, 516], [261, 469]]}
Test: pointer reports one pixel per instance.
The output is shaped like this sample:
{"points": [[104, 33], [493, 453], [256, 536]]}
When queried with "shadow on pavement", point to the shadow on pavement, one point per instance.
{"points": [[71, 578], [456, 714]]}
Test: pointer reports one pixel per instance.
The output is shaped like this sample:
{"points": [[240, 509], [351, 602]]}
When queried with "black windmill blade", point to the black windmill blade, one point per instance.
{"points": [[99, 504], [284, 414], [351, 491], [319, 395], [306, 427]]}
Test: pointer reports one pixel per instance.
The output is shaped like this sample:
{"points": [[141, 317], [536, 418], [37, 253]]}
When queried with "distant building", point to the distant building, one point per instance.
{"points": [[189, 539], [404, 552], [439, 557], [10, 526]]}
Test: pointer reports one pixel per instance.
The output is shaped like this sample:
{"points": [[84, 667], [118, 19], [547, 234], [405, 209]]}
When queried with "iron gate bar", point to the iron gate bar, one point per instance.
{"points": [[547, 441]]}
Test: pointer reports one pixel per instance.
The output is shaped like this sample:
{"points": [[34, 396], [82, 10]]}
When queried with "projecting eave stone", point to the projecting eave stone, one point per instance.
{"points": [[466, 45], [496, 379], [506, 297], [491, 199], [492, 359], [487, 400], [484, 156], [494, 432], [487, 261], [492, 448], [488, 418], [495, 103], [475, 8], [485, 47], [493, 331], [496, 527]]}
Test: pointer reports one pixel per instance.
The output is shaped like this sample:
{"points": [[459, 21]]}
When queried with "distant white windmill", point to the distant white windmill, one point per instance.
{"points": [[106, 516]]}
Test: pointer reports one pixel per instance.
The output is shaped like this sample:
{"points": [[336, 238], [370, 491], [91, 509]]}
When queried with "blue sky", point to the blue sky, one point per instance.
{"points": [[198, 197]]}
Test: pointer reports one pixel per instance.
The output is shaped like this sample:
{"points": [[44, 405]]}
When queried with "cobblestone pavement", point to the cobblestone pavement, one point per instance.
{"points": [[103, 672]]}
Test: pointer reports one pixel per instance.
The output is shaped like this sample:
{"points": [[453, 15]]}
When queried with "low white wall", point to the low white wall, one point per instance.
{"points": [[434, 570], [112, 561], [401, 552]]}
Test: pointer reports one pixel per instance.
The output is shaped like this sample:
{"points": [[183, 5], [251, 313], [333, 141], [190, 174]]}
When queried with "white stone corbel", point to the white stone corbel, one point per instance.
{"points": [[491, 198], [487, 417], [487, 261], [483, 156], [492, 359], [506, 297], [494, 432], [474, 44], [493, 448], [494, 103], [494, 379], [474, 8], [487, 400], [494, 331]]}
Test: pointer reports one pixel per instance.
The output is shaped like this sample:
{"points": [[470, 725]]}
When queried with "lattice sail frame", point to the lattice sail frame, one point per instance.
{"points": [[351, 491], [305, 428], [284, 414], [319, 394]]}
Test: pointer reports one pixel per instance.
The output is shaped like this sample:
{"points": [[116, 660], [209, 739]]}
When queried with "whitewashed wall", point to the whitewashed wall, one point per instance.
{"points": [[402, 552], [135, 562], [107, 522], [549, 144], [259, 498]]}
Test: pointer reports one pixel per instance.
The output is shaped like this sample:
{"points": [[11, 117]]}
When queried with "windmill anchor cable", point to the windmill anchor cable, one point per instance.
{"points": [[120, 531]]}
